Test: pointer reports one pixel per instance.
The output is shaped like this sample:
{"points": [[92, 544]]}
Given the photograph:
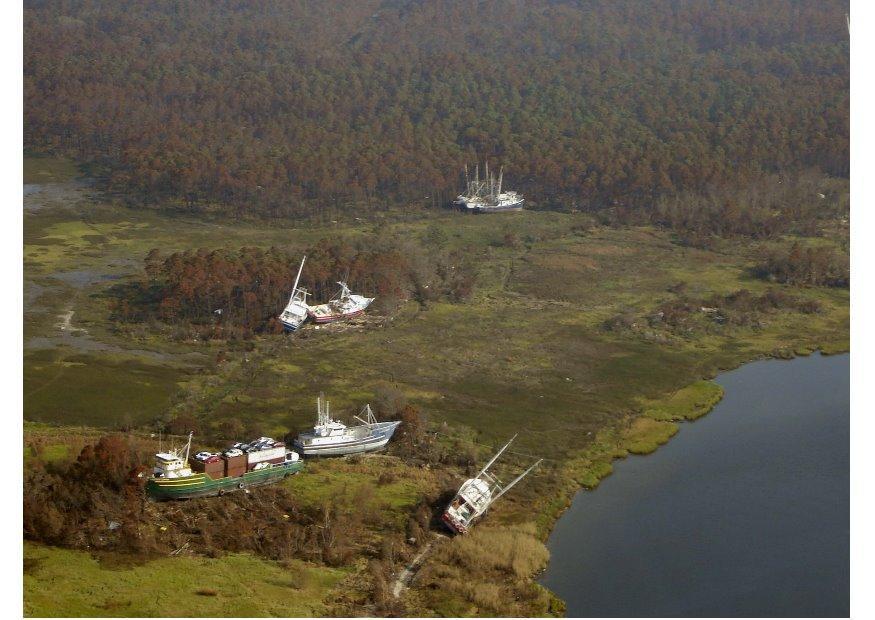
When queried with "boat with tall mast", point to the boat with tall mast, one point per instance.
{"points": [[487, 196], [296, 310], [344, 305], [477, 494], [333, 438]]}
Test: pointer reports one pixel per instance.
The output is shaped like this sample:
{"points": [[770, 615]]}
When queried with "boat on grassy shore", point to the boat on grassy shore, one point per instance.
{"points": [[486, 196], [296, 311], [345, 305], [240, 467], [333, 438], [477, 494]]}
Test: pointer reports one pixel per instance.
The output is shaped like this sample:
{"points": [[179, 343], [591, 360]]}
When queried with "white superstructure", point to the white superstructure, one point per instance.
{"points": [[173, 463], [296, 310], [345, 305]]}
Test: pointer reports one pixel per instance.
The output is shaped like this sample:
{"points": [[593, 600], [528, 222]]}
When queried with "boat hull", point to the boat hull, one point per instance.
{"points": [[377, 441], [456, 527], [202, 485], [330, 318], [517, 206]]}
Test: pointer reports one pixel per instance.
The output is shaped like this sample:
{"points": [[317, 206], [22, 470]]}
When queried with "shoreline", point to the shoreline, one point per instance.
{"points": [[599, 465]]}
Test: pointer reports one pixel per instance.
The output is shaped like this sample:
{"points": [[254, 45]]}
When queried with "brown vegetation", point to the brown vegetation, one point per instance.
{"points": [[503, 558], [266, 106], [684, 315], [97, 502], [227, 293], [817, 266]]}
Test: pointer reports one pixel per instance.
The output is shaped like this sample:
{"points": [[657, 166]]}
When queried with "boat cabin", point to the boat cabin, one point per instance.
{"points": [[170, 465]]}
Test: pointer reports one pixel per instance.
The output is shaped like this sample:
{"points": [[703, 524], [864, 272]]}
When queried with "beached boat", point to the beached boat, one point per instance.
{"points": [[476, 495], [242, 466], [486, 196], [344, 305], [333, 438], [296, 310]]}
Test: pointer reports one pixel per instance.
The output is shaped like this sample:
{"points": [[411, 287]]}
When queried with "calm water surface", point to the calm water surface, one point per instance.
{"points": [[744, 513]]}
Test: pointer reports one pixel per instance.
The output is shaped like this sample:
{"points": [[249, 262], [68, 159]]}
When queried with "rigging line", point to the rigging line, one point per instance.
{"points": [[483, 445]]}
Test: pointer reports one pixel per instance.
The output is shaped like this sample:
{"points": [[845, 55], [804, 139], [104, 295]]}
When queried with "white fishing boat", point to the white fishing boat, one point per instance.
{"points": [[477, 494], [486, 196], [345, 305], [296, 310], [333, 438]]}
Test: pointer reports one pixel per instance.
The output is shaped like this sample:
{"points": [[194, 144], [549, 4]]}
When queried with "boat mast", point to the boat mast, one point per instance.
{"points": [[322, 410], [188, 446], [298, 278], [369, 418], [500, 174]]}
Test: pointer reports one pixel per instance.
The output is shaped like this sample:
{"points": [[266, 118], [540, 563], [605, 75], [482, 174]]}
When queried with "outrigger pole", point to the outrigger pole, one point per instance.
{"points": [[298, 277], [495, 458], [515, 480]]}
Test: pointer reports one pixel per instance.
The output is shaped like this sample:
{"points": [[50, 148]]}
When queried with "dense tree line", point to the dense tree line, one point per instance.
{"points": [[268, 106], [240, 292]]}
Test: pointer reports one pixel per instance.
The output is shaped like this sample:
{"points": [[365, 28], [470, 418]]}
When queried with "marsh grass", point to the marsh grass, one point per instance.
{"points": [[688, 403]]}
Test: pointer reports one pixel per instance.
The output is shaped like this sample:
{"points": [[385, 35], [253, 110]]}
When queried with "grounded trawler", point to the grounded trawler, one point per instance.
{"points": [[332, 438], [476, 495], [486, 196], [241, 466], [345, 305], [296, 310]]}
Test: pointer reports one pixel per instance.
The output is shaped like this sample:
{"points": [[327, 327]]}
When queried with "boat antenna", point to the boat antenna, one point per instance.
{"points": [[517, 479], [495, 458]]}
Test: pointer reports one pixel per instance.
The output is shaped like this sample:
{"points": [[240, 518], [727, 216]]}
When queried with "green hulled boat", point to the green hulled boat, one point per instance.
{"points": [[173, 477]]}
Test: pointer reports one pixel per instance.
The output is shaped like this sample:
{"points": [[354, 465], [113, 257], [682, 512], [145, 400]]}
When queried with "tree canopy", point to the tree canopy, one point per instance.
{"points": [[271, 106]]}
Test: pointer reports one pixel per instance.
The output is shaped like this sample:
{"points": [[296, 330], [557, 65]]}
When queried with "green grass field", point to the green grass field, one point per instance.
{"points": [[62, 582]]}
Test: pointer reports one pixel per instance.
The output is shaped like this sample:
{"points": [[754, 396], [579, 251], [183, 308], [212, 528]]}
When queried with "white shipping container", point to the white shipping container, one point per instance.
{"points": [[266, 455]]}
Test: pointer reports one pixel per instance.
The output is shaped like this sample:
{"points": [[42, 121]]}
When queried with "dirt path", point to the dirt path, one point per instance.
{"points": [[411, 569]]}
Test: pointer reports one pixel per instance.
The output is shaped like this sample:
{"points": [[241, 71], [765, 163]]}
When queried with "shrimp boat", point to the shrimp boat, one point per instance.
{"points": [[296, 310], [486, 196], [477, 494], [344, 305], [257, 463], [332, 438]]}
